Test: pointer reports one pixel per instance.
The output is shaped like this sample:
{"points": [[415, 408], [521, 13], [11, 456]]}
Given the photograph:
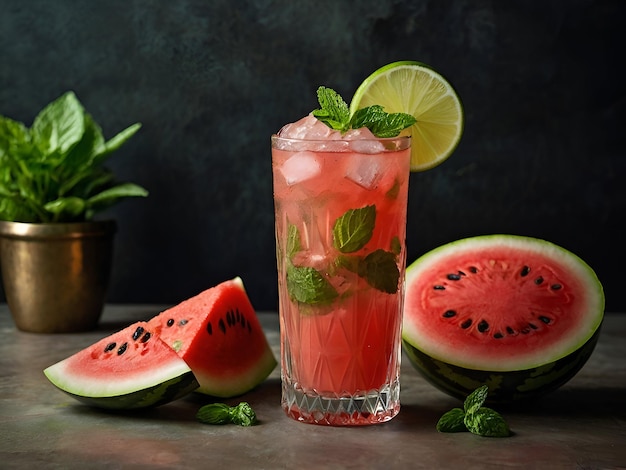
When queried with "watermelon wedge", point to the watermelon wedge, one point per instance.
{"points": [[519, 314], [130, 369], [218, 334]]}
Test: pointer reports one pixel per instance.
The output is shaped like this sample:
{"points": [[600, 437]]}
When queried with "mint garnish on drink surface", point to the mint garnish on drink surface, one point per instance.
{"points": [[474, 417], [351, 232], [335, 113]]}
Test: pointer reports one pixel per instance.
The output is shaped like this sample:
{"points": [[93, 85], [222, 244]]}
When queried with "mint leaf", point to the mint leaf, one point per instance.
{"points": [[220, 413], [334, 111], [381, 123], [452, 421], [293, 241], [354, 229], [475, 418], [486, 422], [243, 414], [380, 270], [308, 286], [476, 399], [215, 413]]}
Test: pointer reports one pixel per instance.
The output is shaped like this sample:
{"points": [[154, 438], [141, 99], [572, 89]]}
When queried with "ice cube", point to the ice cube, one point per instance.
{"points": [[300, 167], [308, 128], [365, 170]]}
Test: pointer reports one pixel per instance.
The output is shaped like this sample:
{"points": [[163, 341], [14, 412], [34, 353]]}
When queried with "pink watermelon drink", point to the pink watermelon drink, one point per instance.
{"points": [[340, 201]]}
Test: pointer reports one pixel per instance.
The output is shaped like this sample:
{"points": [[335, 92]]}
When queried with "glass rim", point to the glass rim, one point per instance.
{"points": [[397, 143], [375, 139]]}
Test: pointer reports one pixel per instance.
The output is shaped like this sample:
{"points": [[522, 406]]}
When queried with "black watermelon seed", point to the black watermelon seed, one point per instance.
{"points": [[510, 330], [524, 331], [243, 321], [170, 322], [533, 326], [122, 349], [539, 280], [110, 347], [183, 322], [555, 286], [466, 324], [525, 271], [483, 326], [449, 314], [545, 319], [146, 337], [454, 277], [209, 328], [439, 287], [222, 325], [473, 269], [498, 335], [462, 273], [138, 332]]}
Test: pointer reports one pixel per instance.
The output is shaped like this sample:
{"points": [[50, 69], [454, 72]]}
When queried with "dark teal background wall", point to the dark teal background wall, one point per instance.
{"points": [[542, 83]]}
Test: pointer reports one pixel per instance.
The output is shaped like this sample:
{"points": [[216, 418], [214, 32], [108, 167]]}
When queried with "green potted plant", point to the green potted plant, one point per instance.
{"points": [[55, 257]]}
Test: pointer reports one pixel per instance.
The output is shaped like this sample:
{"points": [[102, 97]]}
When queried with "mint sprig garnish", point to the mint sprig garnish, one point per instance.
{"points": [[474, 417], [335, 113], [220, 413]]}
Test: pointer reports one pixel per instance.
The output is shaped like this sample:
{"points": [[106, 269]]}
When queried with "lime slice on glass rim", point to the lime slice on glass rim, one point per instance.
{"points": [[417, 89]]}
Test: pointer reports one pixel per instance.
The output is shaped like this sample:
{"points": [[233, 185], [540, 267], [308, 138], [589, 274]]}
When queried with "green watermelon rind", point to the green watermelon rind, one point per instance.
{"points": [[149, 397], [504, 387], [458, 376]]}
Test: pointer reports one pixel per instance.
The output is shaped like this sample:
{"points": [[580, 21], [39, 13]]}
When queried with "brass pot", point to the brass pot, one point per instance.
{"points": [[55, 275]]}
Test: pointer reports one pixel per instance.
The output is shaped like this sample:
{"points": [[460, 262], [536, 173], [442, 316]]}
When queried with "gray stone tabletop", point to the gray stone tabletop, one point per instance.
{"points": [[580, 426]]}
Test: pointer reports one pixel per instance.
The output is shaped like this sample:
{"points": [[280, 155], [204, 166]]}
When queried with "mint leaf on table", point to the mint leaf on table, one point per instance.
{"points": [[474, 417], [486, 422], [475, 399], [335, 113], [220, 413], [452, 421], [354, 229]]}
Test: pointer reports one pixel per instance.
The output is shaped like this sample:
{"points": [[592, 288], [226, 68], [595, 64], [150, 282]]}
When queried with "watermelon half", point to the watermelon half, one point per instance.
{"points": [[519, 314], [218, 334], [130, 369]]}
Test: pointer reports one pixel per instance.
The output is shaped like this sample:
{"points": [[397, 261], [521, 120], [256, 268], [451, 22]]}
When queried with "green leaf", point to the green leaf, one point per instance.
{"points": [[243, 415], [476, 399], [486, 422], [214, 413], [220, 413], [452, 421], [116, 142], [59, 126], [380, 270], [293, 241], [334, 111], [354, 229], [66, 207], [308, 286]]}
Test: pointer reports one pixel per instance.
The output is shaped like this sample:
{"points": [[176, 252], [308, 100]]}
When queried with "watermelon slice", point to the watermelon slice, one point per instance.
{"points": [[219, 336], [519, 314], [130, 369]]}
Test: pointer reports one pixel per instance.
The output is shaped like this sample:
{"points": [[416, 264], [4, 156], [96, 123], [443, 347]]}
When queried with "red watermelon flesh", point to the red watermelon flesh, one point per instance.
{"points": [[218, 334], [129, 369], [501, 303]]}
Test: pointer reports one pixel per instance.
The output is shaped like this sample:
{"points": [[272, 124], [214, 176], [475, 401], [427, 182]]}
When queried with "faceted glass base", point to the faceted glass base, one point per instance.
{"points": [[372, 407]]}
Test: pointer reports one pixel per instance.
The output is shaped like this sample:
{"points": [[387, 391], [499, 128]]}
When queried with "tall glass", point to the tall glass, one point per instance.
{"points": [[340, 245]]}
